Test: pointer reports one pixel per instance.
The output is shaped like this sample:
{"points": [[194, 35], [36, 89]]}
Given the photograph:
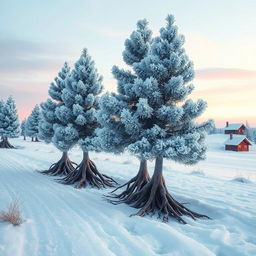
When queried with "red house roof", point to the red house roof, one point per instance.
{"points": [[234, 127], [236, 140]]}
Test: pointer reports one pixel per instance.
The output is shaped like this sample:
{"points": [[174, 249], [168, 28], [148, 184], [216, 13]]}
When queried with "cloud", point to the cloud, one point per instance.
{"points": [[20, 55], [225, 73]]}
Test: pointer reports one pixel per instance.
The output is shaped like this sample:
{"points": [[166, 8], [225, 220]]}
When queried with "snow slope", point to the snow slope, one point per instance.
{"points": [[61, 220]]}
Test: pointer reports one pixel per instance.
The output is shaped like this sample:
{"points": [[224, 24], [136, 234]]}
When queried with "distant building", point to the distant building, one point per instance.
{"points": [[237, 143], [235, 128]]}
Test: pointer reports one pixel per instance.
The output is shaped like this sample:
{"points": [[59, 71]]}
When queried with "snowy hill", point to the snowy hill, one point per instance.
{"points": [[61, 220]]}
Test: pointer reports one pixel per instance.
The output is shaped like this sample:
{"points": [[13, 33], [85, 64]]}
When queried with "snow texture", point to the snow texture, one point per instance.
{"points": [[61, 220], [233, 126], [236, 140]]}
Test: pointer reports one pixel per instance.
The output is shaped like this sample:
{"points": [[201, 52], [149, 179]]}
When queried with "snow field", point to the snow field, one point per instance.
{"points": [[61, 220]]}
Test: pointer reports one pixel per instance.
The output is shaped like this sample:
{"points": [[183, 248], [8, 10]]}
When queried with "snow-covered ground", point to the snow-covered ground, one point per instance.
{"points": [[61, 220]]}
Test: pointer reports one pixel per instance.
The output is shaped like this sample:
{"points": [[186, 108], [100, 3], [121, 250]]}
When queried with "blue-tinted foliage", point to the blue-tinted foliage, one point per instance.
{"points": [[23, 128], [32, 124], [80, 98], [9, 122], [150, 115]]}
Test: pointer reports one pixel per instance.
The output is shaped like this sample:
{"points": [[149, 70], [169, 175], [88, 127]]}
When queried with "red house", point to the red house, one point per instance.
{"points": [[237, 143], [234, 128]]}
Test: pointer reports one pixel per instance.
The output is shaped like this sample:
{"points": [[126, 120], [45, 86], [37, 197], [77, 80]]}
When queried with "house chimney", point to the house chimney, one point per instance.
{"points": [[231, 136], [227, 124]]}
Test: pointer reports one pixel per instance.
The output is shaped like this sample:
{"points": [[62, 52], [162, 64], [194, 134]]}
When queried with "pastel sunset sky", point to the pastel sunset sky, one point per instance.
{"points": [[36, 37]]}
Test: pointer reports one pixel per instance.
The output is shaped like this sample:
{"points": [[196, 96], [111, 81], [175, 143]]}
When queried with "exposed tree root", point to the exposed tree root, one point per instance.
{"points": [[132, 186], [5, 143], [87, 172], [63, 167], [155, 198]]}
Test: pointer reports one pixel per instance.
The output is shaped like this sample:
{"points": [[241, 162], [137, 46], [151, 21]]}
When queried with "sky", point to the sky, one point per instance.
{"points": [[37, 37]]}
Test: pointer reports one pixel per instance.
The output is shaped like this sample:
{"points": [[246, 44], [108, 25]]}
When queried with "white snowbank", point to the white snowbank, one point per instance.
{"points": [[61, 220]]}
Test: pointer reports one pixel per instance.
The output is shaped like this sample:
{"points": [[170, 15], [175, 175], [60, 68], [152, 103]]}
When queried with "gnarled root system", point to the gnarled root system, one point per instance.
{"points": [[87, 173]]}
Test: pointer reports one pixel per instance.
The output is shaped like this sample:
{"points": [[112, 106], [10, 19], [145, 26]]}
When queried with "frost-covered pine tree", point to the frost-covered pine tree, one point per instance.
{"points": [[254, 136], [163, 120], [56, 87], [9, 122], [57, 130], [113, 135], [32, 124], [1, 117], [248, 131], [80, 98], [23, 129]]}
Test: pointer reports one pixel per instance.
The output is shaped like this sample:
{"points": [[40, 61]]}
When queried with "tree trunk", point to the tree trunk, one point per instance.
{"points": [[87, 172], [36, 139], [63, 167], [132, 186], [155, 198], [5, 143], [24, 138], [32, 139]]}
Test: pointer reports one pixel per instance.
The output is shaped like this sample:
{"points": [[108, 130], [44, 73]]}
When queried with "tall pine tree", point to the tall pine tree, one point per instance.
{"points": [[80, 103], [113, 135], [32, 124], [9, 122], [163, 121], [57, 130]]}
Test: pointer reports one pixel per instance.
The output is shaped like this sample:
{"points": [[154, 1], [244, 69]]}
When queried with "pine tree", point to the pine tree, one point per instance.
{"points": [[254, 136], [33, 123], [248, 131], [23, 129], [55, 130], [80, 103], [56, 87], [1, 118], [113, 135], [9, 122], [163, 121]]}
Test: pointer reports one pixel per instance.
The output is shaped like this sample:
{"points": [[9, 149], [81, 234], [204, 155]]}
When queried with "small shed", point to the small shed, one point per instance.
{"points": [[235, 128], [237, 143]]}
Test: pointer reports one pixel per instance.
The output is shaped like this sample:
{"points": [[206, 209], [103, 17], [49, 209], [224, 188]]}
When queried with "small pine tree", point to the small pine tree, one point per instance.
{"points": [[254, 137], [1, 118], [33, 123], [9, 122], [55, 130], [248, 131], [113, 136], [80, 103], [23, 129]]}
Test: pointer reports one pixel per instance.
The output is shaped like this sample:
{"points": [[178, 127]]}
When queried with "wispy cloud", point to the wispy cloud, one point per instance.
{"points": [[20, 55], [225, 73]]}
